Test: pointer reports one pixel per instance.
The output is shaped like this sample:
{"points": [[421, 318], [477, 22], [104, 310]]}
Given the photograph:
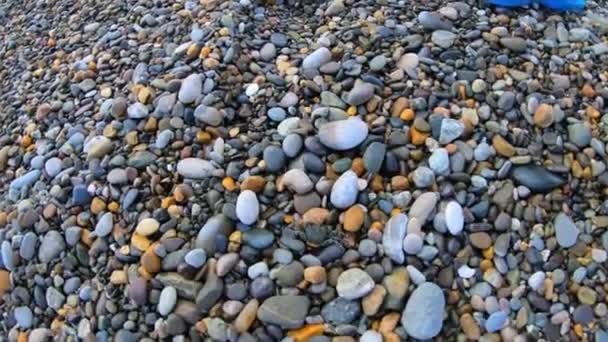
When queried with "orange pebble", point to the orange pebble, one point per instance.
{"points": [[306, 332], [417, 138], [389, 322], [358, 167], [407, 114], [229, 184]]}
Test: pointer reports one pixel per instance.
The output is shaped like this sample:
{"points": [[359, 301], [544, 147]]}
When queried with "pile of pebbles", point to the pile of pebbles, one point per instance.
{"points": [[372, 170]]}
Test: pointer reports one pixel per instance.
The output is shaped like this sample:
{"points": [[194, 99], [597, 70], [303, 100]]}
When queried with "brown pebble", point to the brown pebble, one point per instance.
{"points": [[502, 146], [480, 240], [253, 183], [315, 274], [353, 218], [543, 115], [372, 302], [470, 327]]}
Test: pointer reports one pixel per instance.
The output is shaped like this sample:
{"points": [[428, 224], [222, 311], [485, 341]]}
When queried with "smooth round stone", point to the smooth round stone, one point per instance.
{"points": [[433, 21], [195, 168], [137, 111], [147, 227], [277, 114], [354, 283], [454, 217], [53, 167], [371, 336], [268, 52], [262, 287], [51, 247], [367, 248], [345, 189], [167, 300], [259, 269], [566, 231], [252, 89], [377, 63], [274, 158], [104, 225], [496, 321], [80, 195], [412, 244], [282, 256], [278, 39], [537, 280], [196, 258], [341, 311], [423, 177], [24, 316], [191, 88], [258, 238], [450, 130], [292, 144], [423, 314], [443, 38], [117, 176], [319, 57], [408, 61], [343, 135], [27, 249], [360, 94], [247, 207], [393, 237], [6, 255], [297, 181], [209, 115], [439, 161], [579, 134]]}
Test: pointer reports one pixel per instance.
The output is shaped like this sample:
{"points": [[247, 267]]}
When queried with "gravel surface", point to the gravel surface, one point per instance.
{"points": [[336, 171]]}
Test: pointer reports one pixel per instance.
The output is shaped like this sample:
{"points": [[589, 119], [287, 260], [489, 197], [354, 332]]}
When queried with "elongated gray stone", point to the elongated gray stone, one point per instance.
{"points": [[195, 168], [392, 237], [536, 178], [207, 236]]}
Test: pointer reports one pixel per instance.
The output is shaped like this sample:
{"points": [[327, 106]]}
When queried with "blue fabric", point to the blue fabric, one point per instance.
{"points": [[558, 5]]}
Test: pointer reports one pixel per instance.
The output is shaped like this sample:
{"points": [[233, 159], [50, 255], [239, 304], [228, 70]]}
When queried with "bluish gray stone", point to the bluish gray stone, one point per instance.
{"points": [[496, 321], [195, 168], [288, 312], [209, 115], [423, 314], [344, 191], [207, 236], [24, 317], [341, 311], [319, 57], [566, 231], [196, 257], [536, 178], [360, 94], [373, 157], [191, 88], [343, 134], [104, 225], [392, 237], [51, 247], [277, 114]]}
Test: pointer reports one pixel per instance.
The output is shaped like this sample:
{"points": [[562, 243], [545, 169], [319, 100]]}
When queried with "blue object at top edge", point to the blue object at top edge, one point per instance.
{"points": [[558, 5]]}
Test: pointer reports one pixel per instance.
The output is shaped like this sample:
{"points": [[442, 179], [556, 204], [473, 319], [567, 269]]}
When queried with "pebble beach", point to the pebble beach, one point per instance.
{"points": [[336, 171]]}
